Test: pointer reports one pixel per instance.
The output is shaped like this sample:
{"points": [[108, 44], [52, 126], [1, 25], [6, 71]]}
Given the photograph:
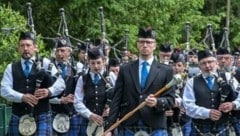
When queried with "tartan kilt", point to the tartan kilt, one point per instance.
{"points": [[74, 129], [13, 126], [236, 125], [83, 127], [43, 121], [44, 125], [75, 123], [222, 129]]}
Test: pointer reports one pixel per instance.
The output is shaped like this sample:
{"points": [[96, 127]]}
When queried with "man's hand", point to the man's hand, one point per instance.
{"points": [[226, 107], [30, 99], [67, 99], [108, 134], [182, 111], [41, 93], [215, 114], [169, 113], [151, 101], [97, 119]]}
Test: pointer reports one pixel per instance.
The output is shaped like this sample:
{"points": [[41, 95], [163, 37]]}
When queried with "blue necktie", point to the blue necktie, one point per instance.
{"points": [[210, 82], [144, 74], [27, 68], [96, 79]]}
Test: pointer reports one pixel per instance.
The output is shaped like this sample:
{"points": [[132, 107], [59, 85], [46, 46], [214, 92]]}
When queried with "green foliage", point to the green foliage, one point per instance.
{"points": [[13, 21]]}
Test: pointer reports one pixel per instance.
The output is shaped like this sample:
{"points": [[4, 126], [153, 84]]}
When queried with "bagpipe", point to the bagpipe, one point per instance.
{"points": [[93, 129], [27, 123]]}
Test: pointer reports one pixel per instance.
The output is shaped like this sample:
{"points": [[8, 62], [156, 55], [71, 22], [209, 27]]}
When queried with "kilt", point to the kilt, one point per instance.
{"points": [[131, 131], [186, 128], [200, 129], [236, 125], [83, 127], [43, 121], [75, 122], [44, 125]]}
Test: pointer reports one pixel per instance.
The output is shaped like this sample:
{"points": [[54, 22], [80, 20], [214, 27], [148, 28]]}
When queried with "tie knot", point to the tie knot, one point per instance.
{"points": [[209, 78], [27, 62], [61, 65], [144, 63]]}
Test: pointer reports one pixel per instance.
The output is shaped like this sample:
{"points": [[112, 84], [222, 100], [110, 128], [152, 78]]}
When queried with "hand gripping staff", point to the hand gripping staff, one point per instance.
{"points": [[176, 80]]}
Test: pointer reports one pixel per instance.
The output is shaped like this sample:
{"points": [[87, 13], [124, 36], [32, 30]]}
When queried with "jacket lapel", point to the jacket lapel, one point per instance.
{"points": [[135, 75], [153, 72]]}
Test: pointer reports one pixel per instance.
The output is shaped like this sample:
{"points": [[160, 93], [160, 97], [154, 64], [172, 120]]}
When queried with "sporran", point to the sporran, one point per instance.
{"points": [[93, 129], [61, 123], [27, 125], [141, 133]]}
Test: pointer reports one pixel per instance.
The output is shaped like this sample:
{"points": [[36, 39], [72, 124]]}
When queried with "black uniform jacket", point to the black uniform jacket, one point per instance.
{"points": [[128, 95]]}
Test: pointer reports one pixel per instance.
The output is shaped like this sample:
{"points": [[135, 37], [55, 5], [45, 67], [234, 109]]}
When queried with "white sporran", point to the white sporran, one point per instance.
{"points": [[61, 123], [141, 133], [176, 130], [27, 125], [93, 129]]}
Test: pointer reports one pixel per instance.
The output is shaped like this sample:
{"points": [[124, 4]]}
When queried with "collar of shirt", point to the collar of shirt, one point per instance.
{"points": [[214, 75], [149, 61], [23, 61], [92, 74]]}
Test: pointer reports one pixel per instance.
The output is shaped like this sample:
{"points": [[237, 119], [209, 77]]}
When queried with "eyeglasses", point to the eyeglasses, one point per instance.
{"points": [[145, 42]]}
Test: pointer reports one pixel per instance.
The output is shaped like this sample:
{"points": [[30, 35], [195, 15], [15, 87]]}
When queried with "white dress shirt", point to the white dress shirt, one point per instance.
{"points": [[150, 61], [10, 94], [196, 111], [79, 97]]}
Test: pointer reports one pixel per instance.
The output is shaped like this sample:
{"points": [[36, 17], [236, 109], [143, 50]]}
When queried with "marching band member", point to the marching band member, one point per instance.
{"points": [[226, 61], [178, 121], [165, 52], [90, 93], [82, 56], [137, 81], [193, 69], [113, 68], [204, 96], [62, 105], [29, 93]]}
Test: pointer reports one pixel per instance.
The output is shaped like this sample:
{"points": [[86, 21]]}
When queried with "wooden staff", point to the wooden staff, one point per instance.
{"points": [[176, 79]]}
